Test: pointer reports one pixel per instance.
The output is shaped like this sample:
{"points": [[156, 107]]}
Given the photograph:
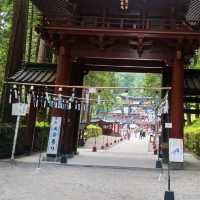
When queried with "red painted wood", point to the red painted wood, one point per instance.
{"points": [[62, 75], [62, 78], [177, 111], [28, 137]]}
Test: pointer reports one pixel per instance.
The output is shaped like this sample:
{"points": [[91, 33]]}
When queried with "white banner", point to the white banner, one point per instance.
{"points": [[176, 150], [19, 109], [54, 135]]}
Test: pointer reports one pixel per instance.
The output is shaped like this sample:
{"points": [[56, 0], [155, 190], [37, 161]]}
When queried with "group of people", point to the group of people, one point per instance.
{"points": [[142, 134]]}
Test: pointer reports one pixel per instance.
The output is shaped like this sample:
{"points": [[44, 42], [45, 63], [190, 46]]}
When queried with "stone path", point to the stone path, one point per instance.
{"points": [[128, 153], [22, 181]]}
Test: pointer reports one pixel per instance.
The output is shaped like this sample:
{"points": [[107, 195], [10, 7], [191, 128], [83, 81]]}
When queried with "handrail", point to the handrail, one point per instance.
{"points": [[121, 23]]}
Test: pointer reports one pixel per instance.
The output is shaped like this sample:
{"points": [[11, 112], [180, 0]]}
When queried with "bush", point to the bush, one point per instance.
{"points": [[92, 131], [7, 135], [6, 141], [192, 137]]}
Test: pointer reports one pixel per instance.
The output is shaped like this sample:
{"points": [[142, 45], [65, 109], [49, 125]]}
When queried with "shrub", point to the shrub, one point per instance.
{"points": [[92, 131], [192, 137], [7, 135]]}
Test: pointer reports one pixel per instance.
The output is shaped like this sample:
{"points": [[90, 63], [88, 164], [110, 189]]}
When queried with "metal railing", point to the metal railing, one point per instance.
{"points": [[117, 23]]}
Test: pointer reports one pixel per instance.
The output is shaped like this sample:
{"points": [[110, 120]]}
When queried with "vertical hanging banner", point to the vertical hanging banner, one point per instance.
{"points": [[54, 135], [176, 150]]}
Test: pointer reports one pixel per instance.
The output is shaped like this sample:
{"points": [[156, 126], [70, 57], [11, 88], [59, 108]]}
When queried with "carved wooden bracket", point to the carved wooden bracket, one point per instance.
{"points": [[101, 42], [140, 45]]}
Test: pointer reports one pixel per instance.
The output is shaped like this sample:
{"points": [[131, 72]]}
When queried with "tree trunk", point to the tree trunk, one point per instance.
{"points": [[18, 37], [30, 35], [16, 50]]}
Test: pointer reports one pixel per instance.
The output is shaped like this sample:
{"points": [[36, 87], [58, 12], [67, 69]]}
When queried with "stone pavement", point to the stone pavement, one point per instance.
{"points": [[21, 181], [128, 153], [133, 153]]}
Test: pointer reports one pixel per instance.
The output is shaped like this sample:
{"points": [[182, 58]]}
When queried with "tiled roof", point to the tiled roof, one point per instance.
{"points": [[35, 73], [54, 7], [192, 82], [193, 13]]}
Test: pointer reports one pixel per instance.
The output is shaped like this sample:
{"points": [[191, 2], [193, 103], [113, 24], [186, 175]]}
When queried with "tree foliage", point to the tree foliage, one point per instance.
{"points": [[150, 81], [195, 60], [5, 28], [102, 79]]}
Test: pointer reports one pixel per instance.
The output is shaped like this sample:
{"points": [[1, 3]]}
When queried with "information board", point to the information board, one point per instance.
{"points": [[19, 109], [176, 150]]}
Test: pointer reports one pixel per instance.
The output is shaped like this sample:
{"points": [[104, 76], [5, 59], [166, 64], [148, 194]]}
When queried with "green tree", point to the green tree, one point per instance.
{"points": [[150, 81], [195, 60], [16, 51], [102, 79], [5, 28]]}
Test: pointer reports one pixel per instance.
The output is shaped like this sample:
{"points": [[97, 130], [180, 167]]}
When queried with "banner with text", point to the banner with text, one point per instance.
{"points": [[54, 135]]}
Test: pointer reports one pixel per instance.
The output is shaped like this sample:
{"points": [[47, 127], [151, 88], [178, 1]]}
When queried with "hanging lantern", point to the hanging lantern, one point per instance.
{"points": [[124, 4]]}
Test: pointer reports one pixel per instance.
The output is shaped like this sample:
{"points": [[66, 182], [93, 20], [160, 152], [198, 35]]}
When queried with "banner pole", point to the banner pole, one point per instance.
{"points": [[15, 138]]}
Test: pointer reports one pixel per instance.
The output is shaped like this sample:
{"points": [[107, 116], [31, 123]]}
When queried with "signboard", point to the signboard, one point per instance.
{"points": [[19, 109], [168, 125], [176, 150], [54, 135]]}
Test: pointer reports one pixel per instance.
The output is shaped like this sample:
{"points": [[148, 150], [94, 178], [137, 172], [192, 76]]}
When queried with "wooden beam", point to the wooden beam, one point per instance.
{"points": [[119, 32], [123, 69], [123, 62]]}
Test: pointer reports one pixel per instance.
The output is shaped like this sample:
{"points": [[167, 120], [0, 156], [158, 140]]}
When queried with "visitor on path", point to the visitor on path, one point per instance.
{"points": [[141, 134], [144, 134]]}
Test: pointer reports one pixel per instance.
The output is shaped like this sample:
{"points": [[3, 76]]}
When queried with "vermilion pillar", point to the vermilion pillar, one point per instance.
{"points": [[177, 112], [63, 78]]}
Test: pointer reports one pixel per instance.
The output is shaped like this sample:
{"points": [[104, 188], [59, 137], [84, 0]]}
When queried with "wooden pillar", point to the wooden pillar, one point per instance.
{"points": [[177, 112], [29, 134], [63, 77], [68, 131], [78, 81]]}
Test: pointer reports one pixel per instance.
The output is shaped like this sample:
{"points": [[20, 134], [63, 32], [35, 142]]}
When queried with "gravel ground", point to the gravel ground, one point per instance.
{"points": [[22, 181]]}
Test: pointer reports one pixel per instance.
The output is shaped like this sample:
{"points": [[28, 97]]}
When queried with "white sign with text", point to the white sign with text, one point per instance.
{"points": [[54, 135], [176, 153], [168, 125], [19, 109]]}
